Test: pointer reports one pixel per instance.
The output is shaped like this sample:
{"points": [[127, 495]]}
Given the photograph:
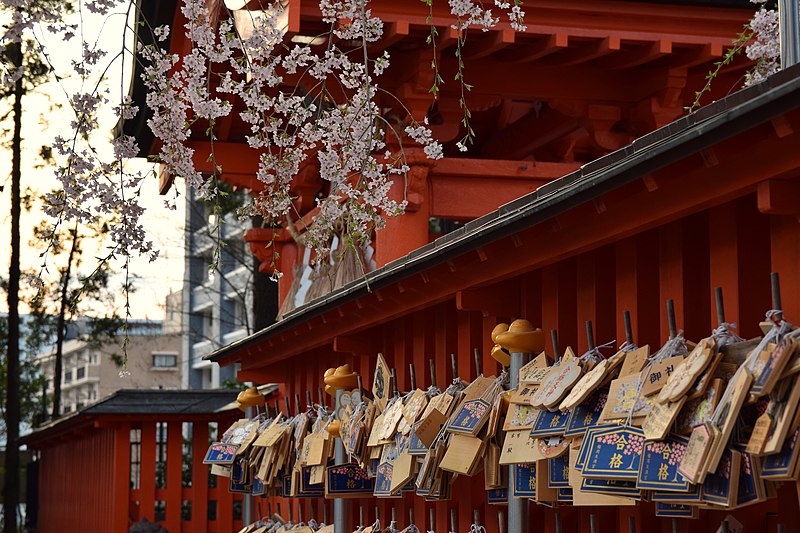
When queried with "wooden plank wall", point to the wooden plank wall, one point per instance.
{"points": [[85, 482]]}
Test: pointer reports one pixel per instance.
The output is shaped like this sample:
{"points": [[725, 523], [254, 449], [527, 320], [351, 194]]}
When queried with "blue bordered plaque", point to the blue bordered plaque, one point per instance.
{"points": [[659, 466], [524, 476], [676, 510], [586, 415], [614, 487], [614, 453], [347, 481], [550, 424], [470, 417], [559, 472]]}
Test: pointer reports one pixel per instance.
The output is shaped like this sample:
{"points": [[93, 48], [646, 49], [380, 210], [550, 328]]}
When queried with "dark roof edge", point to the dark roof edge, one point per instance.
{"points": [[688, 135], [79, 419]]}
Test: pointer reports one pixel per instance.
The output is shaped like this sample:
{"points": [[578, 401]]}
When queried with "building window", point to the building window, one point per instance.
{"points": [[80, 373], [165, 360], [68, 376], [207, 324], [136, 457], [239, 313], [92, 358], [92, 393]]}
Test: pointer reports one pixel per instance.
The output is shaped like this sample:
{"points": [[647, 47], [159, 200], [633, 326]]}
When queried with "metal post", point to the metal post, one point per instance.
{"points": [[247, 501], [789, 21], [628, 327], [517, 507], [340, 510], [673, 328]]}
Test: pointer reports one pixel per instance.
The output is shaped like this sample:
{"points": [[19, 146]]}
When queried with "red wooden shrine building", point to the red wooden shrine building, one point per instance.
{"points": [[710, 200], [137, 454], [587, 193]]}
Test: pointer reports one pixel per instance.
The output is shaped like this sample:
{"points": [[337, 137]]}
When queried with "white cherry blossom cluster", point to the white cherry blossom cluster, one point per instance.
{"points": [[765, 48], [304, 105]]}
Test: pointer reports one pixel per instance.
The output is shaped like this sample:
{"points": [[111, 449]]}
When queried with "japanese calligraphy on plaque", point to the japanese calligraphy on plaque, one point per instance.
{"points": [[657, 374], [659, 465], [587, 413], [550, 423], [347, 481], [470, 417], [558, 382], [614, 453], [524, 477]]}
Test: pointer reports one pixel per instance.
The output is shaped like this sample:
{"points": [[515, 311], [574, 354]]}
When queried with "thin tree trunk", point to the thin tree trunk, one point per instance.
{"points": [[61, 326], [12, 486]]}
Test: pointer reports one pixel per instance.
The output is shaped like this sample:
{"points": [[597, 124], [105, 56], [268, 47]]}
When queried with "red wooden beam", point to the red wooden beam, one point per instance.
{"points": [[590, 51], [779, 197]]}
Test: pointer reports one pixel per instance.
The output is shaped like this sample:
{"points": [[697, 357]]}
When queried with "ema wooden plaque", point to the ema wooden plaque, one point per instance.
{"points": [[687, 371], [660, 419], [697, 449]]}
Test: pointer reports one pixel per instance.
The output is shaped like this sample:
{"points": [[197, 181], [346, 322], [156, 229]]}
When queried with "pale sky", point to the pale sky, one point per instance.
{"points": [[40, 125]]}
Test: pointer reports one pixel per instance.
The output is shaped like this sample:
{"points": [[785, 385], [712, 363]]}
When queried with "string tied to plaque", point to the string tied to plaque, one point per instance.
{"points": [[723, 335], [432, 390], [324, 418], [628, 347], [780, 327], [636, 405], [594, 355], [491, 392], [675, 345]]}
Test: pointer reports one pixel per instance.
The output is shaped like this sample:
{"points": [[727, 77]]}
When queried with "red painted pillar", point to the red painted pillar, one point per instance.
{"points": [[174, 478], [199, 478], [147, 475], [409, 232], [785, 238]]}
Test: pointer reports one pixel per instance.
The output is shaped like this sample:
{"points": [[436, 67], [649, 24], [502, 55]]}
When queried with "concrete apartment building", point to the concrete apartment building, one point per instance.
{"points": [[216, 307], [91, 373]]}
